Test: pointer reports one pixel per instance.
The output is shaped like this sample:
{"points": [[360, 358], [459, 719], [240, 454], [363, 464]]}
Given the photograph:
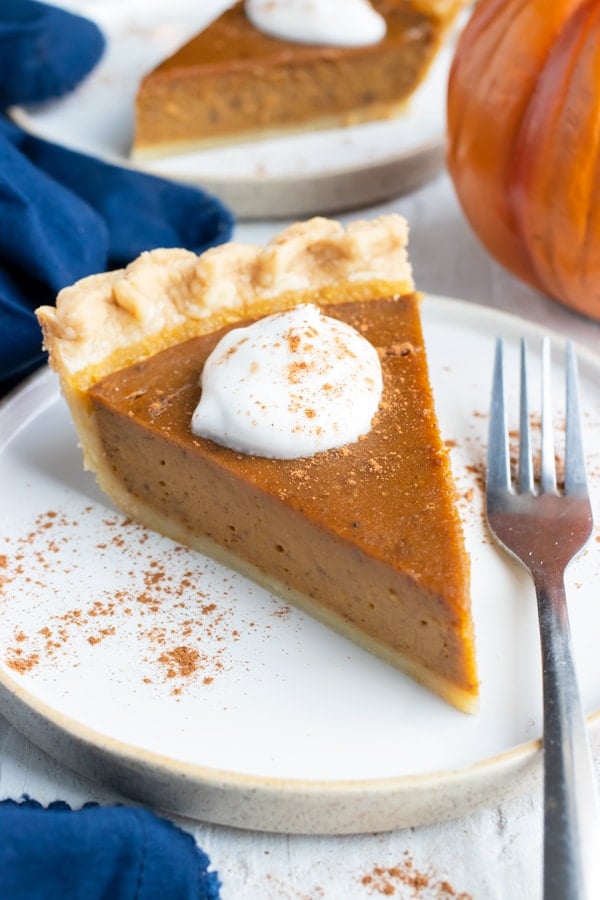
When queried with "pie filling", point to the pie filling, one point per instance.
{"points": [[363, 534], [366, 537], [233, 82]]}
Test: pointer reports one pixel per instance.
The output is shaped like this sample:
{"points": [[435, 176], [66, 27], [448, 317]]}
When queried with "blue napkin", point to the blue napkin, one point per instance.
{"points": [[64, 215], [98, 853], [44, 51]]}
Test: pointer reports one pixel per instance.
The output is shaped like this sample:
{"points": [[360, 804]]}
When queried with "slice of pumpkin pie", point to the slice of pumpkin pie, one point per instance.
{"points": [[271, 407], [236, 81]]}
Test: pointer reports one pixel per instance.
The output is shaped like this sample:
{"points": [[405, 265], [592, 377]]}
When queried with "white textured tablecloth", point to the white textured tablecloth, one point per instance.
{"points": [[495, 853]]}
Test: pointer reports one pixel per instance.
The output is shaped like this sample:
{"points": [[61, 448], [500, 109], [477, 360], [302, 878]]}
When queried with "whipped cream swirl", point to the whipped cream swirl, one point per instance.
{"points": [[289, 385], [341, 23]]}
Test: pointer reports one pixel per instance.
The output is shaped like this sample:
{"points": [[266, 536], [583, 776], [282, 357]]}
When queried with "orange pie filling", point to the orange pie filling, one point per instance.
{"points": [[366, 537]]}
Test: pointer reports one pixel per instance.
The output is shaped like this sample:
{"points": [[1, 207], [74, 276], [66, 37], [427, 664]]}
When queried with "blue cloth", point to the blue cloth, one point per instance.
{"points": [[39, 57], [98, 853], [64, 215]]}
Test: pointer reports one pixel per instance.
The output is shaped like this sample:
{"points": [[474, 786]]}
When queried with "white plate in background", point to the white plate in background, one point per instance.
{"points": [[313, 173]]}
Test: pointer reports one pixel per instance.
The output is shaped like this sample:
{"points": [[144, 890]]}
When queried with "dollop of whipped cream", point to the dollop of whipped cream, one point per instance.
{"points": [[289, 385], [342, 23]]}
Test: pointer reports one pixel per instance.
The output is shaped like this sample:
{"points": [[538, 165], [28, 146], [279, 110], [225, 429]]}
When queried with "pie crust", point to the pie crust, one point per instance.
{"points": [[108, 327]]}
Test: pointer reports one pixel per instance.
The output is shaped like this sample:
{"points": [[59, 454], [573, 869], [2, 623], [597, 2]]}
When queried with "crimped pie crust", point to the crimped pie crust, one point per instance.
{"points": [[106, 321]]}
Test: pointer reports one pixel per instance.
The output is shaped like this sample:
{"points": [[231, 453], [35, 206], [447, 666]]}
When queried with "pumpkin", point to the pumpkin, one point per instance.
{"points": [[524, 141]]}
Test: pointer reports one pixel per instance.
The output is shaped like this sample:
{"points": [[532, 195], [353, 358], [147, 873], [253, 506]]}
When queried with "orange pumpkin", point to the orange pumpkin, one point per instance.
{"points": [[524, 141]]}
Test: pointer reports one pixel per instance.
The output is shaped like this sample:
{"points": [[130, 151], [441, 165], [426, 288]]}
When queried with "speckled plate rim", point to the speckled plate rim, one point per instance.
{"points": [[278, 804], [337, 190]]}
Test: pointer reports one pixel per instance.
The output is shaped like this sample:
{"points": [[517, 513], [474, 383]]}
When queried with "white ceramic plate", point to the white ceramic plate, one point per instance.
{"points": [[167, 676], [291, 177]]}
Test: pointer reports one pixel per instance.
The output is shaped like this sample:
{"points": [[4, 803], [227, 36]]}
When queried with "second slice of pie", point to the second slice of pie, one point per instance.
{"points": [[232, 82]]}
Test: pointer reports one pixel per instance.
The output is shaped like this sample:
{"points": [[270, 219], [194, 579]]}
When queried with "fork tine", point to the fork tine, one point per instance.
{"points": [[525, 477], [575, 477], [498, 461], [548, 466]]}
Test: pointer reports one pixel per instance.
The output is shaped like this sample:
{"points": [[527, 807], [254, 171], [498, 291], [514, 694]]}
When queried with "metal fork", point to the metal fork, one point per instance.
{"points": [[545, 529]]}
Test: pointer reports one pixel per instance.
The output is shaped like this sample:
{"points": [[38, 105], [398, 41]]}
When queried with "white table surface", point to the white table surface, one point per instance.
{"points": [[493, 854]]}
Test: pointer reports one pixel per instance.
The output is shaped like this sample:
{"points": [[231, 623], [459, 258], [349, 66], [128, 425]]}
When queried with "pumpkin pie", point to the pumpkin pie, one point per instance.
{"points": [[232, 82], [382, 561]]}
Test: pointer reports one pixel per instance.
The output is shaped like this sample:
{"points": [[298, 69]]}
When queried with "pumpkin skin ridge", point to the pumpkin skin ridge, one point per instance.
{"points": [[525, 159], [538, 165], [491, 19], [497, 15], [560, 256], [471, 155], [592, 232]]}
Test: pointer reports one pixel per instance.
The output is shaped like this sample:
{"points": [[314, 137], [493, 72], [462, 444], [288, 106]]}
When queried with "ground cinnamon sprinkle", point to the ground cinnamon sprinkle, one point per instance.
{"points": [[389, 881], [400, 348], [103, 633], [22, 664], [180, 661], [181, 632]]}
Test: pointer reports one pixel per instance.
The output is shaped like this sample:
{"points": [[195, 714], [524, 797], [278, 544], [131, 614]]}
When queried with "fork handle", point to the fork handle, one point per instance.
{"points": [[571, 812]]}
